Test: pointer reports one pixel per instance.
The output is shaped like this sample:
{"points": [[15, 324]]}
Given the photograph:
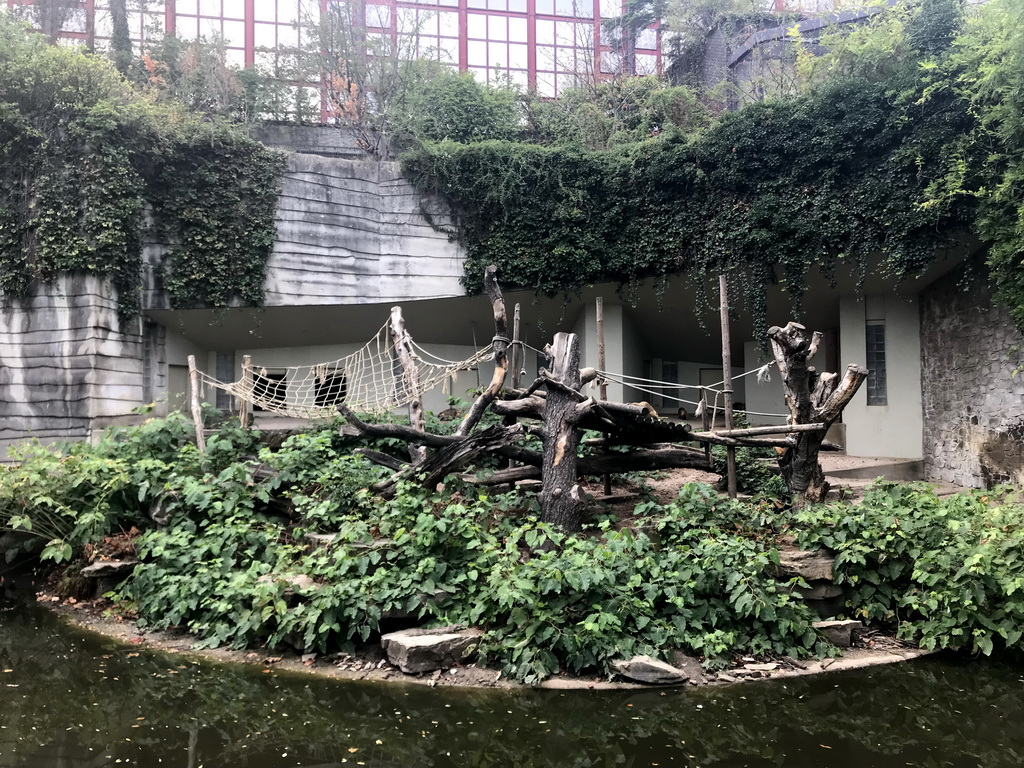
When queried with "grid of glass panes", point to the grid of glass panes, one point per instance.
{"points": [[497, 42], [215, 20], [549, 45], [875, 358], [422, 30], [280, 30], [647, 48]]}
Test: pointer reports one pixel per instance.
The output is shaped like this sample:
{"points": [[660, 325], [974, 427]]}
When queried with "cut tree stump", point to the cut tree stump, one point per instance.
{"points": [[562, 499], [811, 399]]}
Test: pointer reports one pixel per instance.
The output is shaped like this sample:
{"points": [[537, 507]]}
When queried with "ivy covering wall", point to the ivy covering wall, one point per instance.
{"points": [[900, 164], [86, 156]]}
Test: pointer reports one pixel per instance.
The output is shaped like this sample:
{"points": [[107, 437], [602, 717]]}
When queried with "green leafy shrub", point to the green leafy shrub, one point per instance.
{"points": [[948, 572], [61, 497]]}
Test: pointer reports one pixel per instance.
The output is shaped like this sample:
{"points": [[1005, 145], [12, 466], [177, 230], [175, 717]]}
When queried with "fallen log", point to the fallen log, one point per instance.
{"points": [[613, 463], [384, 459], [399, 431]]}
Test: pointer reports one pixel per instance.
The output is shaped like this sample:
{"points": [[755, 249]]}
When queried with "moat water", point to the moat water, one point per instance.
{"points": [[70, 699]]}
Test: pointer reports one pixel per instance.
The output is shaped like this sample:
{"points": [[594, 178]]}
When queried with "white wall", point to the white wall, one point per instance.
{"points": [[763, 397], [884, 430]]}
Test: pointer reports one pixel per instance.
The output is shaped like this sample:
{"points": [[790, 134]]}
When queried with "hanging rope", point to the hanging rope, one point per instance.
{"points": [[367, 381]]}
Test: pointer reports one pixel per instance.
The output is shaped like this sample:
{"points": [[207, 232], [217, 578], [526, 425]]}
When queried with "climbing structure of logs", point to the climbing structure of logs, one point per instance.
{"points": [[554, 408]]}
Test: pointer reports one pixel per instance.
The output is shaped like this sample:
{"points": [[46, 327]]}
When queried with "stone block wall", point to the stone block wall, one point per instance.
{"points": [[66, 364], [973, 402]]}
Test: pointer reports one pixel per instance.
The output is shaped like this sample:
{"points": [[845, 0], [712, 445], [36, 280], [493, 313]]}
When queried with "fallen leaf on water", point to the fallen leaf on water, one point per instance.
{"points": [[353, 749], [825, 746]]}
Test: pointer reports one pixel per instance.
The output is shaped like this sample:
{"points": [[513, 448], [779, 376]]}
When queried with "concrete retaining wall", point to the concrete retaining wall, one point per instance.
{"points": [[66, 362]]}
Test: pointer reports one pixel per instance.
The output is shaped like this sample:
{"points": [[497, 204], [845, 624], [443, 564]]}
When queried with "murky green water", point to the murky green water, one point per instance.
{"points": [[68, 700]]}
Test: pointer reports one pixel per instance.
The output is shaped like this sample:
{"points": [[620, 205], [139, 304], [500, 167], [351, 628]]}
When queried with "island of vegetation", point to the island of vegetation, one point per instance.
{"points": [[905, 137]]}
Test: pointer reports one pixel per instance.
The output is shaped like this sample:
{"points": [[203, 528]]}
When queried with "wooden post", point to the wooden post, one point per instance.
{"points": [[705, 422], [500, 353], [561, 499], [730, 452], [603, 386], [197, 411], [518, 356], [517, 359], [244, 404], [401, 344]]}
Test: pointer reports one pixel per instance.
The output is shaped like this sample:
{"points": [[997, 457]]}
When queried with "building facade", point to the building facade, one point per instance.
{"points": [[542, 45]]}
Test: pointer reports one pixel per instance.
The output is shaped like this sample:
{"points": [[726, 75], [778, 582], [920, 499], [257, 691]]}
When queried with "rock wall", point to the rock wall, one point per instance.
{"points": [[350, 232], [66, 363], [973, 402]]}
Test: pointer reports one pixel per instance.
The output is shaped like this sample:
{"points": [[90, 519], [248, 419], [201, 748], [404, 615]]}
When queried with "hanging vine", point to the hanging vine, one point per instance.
{"points": [[85, 155], [769, 194]]}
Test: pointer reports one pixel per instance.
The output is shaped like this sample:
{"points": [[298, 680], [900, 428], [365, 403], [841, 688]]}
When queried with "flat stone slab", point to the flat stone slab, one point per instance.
{"points": [[107, 568], [644, 669], [810, 566], [425, 650], [839, 633]]}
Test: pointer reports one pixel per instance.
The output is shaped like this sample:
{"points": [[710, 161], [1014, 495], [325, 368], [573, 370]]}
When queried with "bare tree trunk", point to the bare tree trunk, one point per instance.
{"points": [[500, 353], [811, 398], [562, 500], [401, 342]]}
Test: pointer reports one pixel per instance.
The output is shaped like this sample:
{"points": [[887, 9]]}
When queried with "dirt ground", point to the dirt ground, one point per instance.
{"points": [[96, 616]]}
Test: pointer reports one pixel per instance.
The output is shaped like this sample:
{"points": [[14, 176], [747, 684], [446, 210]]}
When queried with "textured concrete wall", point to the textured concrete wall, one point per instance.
{"points": [[973, 402], [350, 232], [310, 139], [65, 363]]}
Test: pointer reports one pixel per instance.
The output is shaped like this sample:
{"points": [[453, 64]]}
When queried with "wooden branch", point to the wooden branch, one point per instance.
{"points": [[384, 459], [452, 458], [767, 430], [401, 346], [399, 431], [500, 354], [714, 438], [832, 408]]}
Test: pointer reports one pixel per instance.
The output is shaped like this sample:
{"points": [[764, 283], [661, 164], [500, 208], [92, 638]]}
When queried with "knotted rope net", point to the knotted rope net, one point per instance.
{"points": [[370, 380]]}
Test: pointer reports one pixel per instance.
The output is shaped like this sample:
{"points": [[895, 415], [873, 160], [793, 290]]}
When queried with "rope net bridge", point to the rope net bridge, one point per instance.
{"points": [[370, 380]]}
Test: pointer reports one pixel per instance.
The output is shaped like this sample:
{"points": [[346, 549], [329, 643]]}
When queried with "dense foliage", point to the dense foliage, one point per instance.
{"points": [[225, 565], [947, 572], [903, 143], [231, 562], [86, 155]]}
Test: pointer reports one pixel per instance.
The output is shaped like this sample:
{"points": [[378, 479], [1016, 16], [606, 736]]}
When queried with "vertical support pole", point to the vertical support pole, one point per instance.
{"points": [[518, 358], [244, 403], [705, 422], [197, 411], [401, 343], [603, 387], [730, 451]]}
